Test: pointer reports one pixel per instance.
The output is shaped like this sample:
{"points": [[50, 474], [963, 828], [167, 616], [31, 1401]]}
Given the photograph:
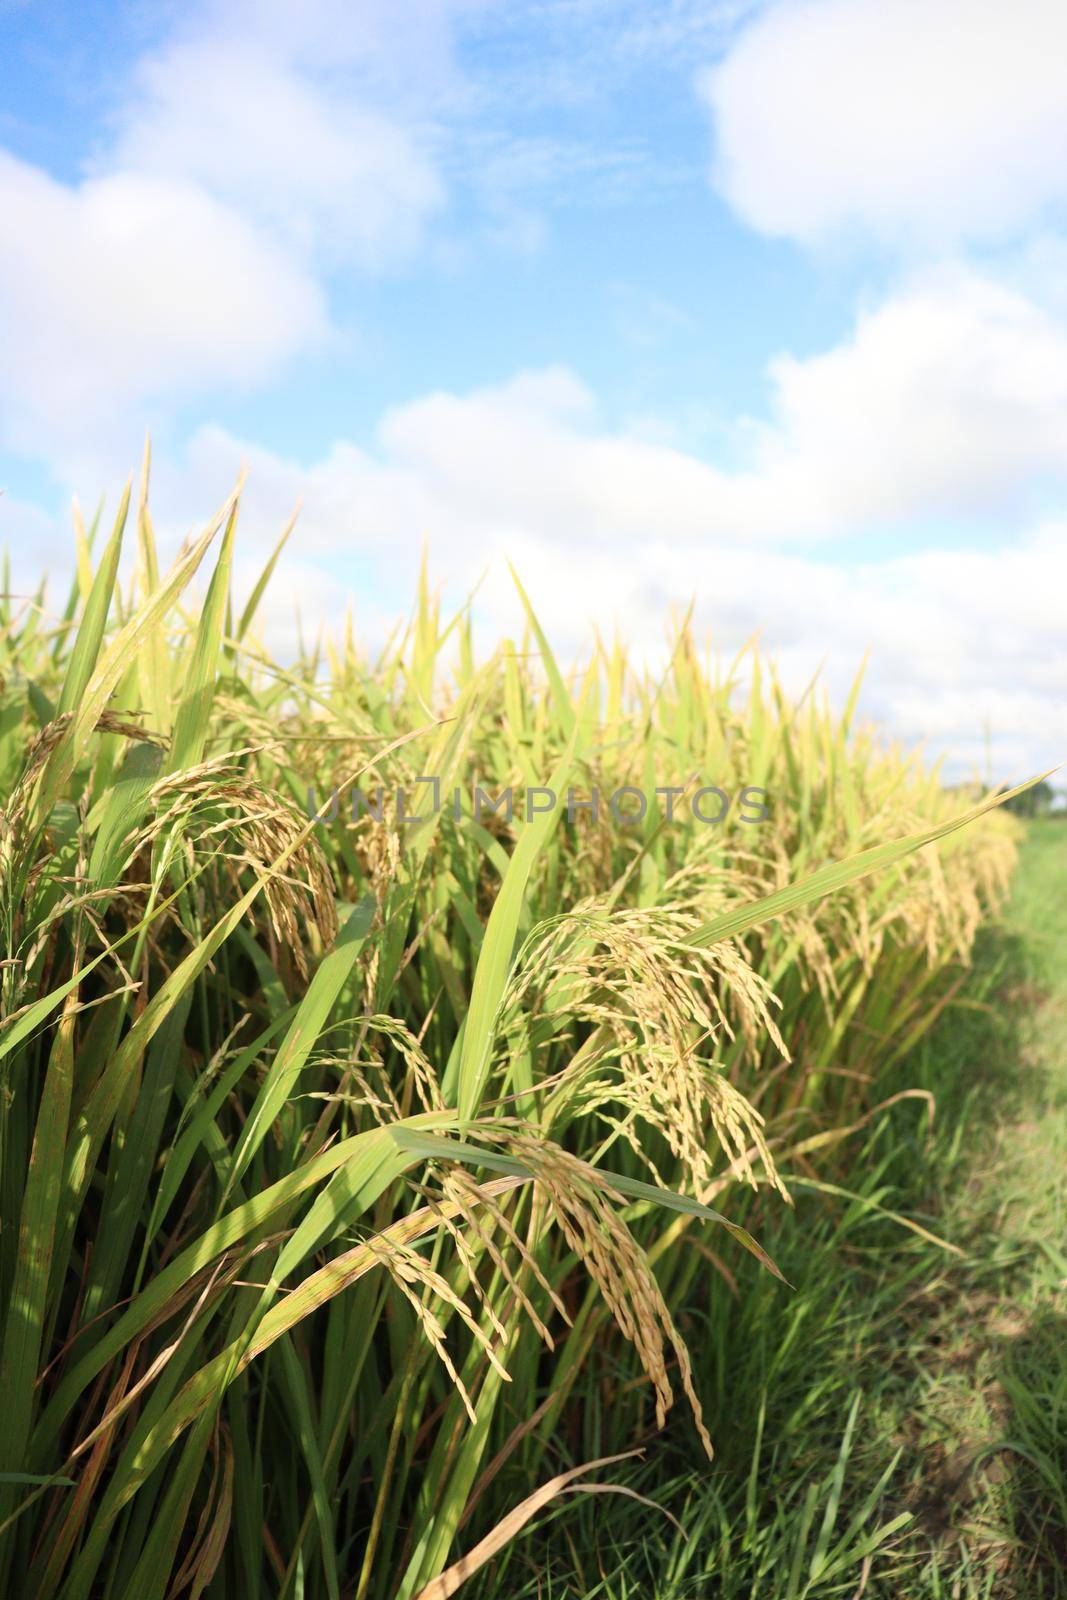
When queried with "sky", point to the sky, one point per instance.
{"points": [[759, 306]]}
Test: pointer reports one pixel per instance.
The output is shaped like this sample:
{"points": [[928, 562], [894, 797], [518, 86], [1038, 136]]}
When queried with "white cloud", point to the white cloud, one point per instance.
{"points": [[962, 640], [331, 177], [126, 288], [949, 401], [249, 161], [950, 398], [917, 119], [965, 643], [967, 646]]}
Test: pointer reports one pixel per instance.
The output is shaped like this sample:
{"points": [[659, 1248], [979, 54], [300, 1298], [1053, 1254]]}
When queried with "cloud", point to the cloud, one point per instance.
{"points": [[967, 645], [950, 398], [966, 642], [126, 288], [333, 178], [946, 403], [927, 120], [248, 164], [963, 643]]}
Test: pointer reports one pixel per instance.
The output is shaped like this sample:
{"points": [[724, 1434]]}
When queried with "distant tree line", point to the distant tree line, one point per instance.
{"points": [[1038, 801]]}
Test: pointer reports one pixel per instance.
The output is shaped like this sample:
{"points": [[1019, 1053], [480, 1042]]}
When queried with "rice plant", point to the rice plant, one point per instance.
{"points": [[345, 1143]]}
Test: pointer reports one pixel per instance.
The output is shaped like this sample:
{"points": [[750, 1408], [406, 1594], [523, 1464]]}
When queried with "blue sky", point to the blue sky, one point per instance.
{"points": [[764, 305]]}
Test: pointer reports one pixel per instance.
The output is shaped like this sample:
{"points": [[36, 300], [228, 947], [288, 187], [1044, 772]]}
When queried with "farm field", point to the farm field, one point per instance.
{"points": [[384, 1164]]}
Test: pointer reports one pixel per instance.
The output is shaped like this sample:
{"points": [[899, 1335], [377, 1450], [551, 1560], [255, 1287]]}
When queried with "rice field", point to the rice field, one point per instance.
{"points": [[396, 1048]]}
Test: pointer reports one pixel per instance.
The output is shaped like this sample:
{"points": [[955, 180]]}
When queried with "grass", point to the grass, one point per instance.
{"points": [[899, 1421], [361, 1178]]}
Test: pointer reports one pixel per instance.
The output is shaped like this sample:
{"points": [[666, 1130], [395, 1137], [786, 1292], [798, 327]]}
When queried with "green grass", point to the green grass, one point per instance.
{"points": [[903, 1410]]}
